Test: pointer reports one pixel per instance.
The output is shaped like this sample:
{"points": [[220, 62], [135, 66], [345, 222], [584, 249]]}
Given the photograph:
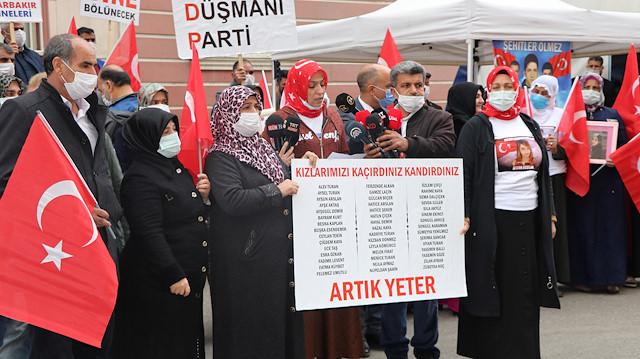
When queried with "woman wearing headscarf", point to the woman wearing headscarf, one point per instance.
{"points": [[543, 94], [508, 229], [254, 313], [597, 222], [10, 86], [153, 95], [164, 263], [329, 333], [464, 100]]}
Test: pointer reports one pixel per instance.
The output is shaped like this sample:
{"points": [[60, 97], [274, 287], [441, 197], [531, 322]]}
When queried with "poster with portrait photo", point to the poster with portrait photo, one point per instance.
{"points": [[548, 131], [603, 140], [518, 154], [531, 59]]}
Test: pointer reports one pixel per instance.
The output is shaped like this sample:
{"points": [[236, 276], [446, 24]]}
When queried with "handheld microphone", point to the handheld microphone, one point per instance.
{"points": [[376, 129], [361, 117], [384, 119], [346, 103], [358, 133], [395, 119], [275, 130], [291, 130]]}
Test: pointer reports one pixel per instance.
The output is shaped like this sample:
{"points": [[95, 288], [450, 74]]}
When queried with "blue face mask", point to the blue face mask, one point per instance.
{"points": [[169, 145], [538, 101], [388, 98]]}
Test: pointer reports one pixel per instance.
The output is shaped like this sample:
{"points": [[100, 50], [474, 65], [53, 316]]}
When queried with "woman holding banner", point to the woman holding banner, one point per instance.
{"points": [[331, 333], [254, 314], [163, 265], [597, 222], [508, 229]]}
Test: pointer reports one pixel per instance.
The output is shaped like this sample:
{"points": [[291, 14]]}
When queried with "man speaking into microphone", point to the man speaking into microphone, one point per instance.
{"points": [[425, 133]]}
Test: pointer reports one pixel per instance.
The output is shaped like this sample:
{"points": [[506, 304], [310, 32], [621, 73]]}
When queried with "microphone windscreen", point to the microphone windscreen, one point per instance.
{"points": [[346, 103], [357, 132], [395, 119], [384, 119], [275, 130], [374, 126], [361, 117], [292, 129]]}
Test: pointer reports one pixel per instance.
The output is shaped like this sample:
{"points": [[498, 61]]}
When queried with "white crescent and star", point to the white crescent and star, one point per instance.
{"points": [[59, 189], [500, 147], [135, 69], [188, 99], [638, 165], [564, 62], [576, 116]]}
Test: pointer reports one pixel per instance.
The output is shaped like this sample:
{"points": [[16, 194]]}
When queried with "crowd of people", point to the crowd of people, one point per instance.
{"points": [[525, 232]]}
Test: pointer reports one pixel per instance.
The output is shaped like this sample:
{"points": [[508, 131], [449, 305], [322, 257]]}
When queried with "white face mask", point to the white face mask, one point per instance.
{"points": [[502, 100], [590, 97], [249, 80], [427, 92], [160, 106], [105, 100], [82, 85], [592, 71], [169, 145], [411, 104], [248, 124], [21, 37], [8, 69]]}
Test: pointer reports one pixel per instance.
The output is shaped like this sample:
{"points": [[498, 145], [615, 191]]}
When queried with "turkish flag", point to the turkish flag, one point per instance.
{"points": [[502, 58], [55, 270], [505, 147], [195, 131], [266, 99], [125, 55], [561, 64], [627, 160], [72, 27], [628, 100], [389, 54], [572, 131]]}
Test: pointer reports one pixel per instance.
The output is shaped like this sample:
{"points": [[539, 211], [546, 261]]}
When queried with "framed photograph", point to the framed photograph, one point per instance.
{"points": [[603, 139]]}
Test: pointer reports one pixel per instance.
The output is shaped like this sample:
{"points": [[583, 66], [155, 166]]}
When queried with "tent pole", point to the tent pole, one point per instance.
{"points": [[470, 46]]}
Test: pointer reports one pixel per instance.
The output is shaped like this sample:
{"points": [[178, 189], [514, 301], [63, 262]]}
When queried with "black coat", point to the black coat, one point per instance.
{"points": [[430, 134], [168, 242], [476, 145], [252, 266]]}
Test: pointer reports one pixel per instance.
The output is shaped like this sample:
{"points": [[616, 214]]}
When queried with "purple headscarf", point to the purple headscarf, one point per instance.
{"points": [[255, 151], [585, 78]]}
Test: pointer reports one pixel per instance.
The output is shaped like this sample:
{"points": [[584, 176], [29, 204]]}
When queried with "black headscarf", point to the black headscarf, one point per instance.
{"points": [[143, 130], [462, 103]]}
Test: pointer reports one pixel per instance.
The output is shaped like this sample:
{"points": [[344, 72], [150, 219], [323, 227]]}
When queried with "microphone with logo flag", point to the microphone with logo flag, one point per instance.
{"points": [[361, 117], [291, 130], [395, 119], [275, 130], [346, 103], [376, 129], [358, 133]]}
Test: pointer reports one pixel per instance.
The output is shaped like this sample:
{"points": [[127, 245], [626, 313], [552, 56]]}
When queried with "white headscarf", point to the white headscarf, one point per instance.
{"points": [[549, 83]]}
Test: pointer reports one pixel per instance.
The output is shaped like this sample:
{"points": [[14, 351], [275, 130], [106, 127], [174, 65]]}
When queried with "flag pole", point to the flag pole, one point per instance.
{"points": [[12, 32], [240, 64], [199, 154]]}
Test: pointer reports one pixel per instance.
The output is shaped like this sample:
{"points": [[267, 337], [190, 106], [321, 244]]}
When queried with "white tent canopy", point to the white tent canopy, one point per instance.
{"points": [[453, 32]]}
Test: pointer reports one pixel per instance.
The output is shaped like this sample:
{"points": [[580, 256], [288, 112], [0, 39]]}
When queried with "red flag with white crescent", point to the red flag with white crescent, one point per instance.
{"points": [[389, 54], [627, 161], [573, 137], [502, 57], [561, 64], [628, 100], [125, 55], [55, 271], [194, 122]]}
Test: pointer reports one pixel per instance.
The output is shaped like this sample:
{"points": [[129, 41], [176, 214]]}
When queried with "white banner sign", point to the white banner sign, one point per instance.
{"points": [[20, 11], [377, 231], [115, 10], [232, 27]]}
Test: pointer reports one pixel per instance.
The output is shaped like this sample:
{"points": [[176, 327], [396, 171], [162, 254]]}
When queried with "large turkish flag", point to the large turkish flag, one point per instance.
{"points": [[55, 270], [125, 55], [627, 161]]}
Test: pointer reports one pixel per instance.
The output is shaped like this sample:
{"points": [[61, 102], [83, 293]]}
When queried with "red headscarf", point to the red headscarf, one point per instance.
{"points": [[514, 111], [295, 91]]}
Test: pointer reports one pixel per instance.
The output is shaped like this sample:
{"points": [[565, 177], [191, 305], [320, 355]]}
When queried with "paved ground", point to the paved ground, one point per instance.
{"points": [[595, 325]]}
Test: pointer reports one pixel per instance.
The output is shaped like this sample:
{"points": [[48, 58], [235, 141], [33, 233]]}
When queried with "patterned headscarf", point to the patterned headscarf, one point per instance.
{"points": [[514, 111], [146, 93], [255, 151], [6, 80], [583, 79], [296, 89]]}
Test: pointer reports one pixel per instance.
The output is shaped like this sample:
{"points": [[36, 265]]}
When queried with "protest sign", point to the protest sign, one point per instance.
{"points": [[114, 10], [20, 11], [227, 28], [531, 59], [377, 231]]}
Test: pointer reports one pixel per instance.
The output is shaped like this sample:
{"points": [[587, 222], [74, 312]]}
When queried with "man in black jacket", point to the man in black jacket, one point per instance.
{"points": [[67, 101], [426, 133]]}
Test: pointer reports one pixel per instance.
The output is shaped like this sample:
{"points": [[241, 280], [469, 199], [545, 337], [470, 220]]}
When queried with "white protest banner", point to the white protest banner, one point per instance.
{"points": [[115, 10], [20, 11], [232, 27], [377, 231]]}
